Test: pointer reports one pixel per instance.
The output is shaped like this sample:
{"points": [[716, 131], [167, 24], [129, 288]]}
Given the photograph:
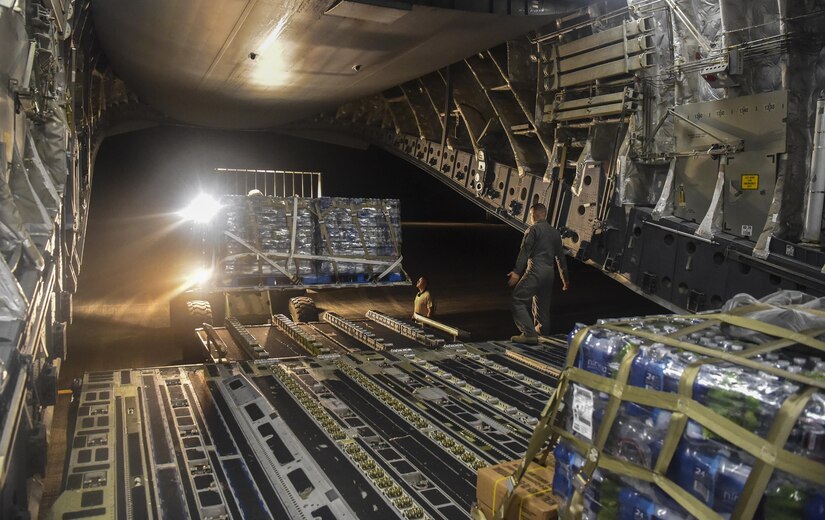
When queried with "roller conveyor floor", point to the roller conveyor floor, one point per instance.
{"points": [[346, 342], [397, 433]]}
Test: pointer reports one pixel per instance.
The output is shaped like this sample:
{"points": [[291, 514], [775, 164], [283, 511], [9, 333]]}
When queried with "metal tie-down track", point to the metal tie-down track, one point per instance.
{"points": [[350, 433]]}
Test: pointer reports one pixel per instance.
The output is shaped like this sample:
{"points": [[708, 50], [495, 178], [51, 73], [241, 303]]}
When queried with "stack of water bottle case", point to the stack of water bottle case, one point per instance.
{"points": [[704, 416], [287, 228], [360, 228]]}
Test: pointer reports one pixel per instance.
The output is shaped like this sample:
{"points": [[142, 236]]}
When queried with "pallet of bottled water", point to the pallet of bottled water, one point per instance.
{"points": [[718, 415], [276, 241]]}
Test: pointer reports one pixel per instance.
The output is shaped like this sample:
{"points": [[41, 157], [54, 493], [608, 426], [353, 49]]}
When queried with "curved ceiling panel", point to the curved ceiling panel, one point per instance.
{"points": [[262, 63]]}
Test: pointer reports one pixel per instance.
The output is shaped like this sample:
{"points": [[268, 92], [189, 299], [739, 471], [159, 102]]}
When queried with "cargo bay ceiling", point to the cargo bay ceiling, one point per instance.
{"points": [[261, 63]]}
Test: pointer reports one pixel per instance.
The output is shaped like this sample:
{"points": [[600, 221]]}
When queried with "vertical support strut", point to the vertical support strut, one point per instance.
{"points": [[448, 102]]}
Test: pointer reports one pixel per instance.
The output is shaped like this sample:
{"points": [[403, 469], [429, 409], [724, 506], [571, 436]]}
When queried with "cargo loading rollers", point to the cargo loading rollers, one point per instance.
{"points": [[368, 418]]}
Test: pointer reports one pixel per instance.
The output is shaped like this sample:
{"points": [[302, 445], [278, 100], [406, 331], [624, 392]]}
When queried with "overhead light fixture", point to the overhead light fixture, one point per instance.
{"points": [[201, 210], [271, 37], [271, 65]]}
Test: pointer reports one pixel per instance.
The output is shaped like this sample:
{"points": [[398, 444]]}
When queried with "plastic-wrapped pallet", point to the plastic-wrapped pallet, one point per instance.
{"points": [[234, 217], [709, 416], [358, 228], [267, 224], [380, 224], [268, 233], [339, 235], [273, 227]]}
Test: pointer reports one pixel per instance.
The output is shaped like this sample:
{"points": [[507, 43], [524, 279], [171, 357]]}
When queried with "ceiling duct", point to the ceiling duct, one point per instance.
{"points": [[379, 11]]}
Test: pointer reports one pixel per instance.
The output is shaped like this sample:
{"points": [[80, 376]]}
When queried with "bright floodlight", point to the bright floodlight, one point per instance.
{"points": [[199, 276], [201, 210]]}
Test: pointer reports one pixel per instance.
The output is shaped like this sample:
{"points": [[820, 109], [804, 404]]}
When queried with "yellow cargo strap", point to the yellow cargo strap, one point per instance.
{"points": [[678, 419], [615, 389], [621, 467], [542, 491], [778, 344], [802, 308], [769, 453], [778, 435], [745, 439], [765, 328], [706, 324], [502, 479], [728, 356], [543, 431], [573, 350]]}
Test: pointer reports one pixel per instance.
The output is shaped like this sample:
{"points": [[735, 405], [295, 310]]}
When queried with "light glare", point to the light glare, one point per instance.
{"points": [[272, 36], [201, 210], [200, 276]]}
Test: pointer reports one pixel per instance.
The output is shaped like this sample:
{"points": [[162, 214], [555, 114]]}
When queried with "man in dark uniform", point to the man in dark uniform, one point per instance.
{"points": [[534, 275]]}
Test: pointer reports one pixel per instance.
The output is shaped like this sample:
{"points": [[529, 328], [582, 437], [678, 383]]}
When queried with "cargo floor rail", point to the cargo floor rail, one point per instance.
{"points": [[408, 331], [356, 331], [296, 333], [245, 339]]}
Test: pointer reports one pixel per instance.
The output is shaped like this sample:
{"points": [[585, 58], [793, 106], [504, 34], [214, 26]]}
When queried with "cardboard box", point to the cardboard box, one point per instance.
{"points": [[533, 499]]}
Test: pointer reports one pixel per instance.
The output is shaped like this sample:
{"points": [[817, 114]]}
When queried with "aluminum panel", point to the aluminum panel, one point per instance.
{"points": [[759, 120], [611, 52], [583, 213], [613, 68], [750, 181], [616, 97], [750, 176], [517, 200], [464, 168], [597, 111], [693, 183], [630, 28]]}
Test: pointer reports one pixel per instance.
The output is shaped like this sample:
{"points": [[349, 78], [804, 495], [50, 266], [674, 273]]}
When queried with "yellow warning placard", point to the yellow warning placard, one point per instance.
{"points": [[750, 182]]}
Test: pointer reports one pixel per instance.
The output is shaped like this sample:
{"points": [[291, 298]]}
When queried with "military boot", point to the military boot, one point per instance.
{"points": [[526, 340]]}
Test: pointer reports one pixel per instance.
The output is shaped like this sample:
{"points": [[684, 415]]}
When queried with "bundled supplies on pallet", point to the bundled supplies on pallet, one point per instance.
{"points": [[273, 226], [265, 240], [271, 229], [359, 228], [235, 218], [340, 235], [718, 415], [285, 225], [380, 224]]}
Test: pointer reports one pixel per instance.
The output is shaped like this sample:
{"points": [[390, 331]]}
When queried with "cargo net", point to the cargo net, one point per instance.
{"points": [[708, 416], [272, 240]]}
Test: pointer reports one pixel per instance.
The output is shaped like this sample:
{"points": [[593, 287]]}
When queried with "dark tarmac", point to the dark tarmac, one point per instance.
{"points": [[136, 253]]}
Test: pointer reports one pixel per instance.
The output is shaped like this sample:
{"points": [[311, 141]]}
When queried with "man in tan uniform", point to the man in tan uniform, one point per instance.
{"points": [[423, 304], [534, 275]]}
